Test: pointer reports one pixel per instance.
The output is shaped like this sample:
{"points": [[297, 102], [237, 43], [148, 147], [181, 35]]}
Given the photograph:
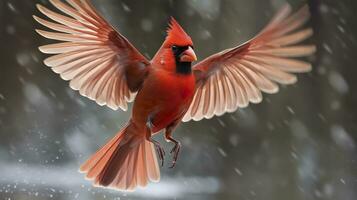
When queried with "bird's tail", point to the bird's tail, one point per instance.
{"points": [[125, 162]]}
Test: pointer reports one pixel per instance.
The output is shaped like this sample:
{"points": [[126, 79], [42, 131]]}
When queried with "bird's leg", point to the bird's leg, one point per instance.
{"points": [[176, 149], [159, 149]]}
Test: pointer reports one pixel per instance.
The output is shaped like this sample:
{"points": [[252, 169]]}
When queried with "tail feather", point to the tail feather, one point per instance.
{"points": [[125, 162], [153, 174], [89, 164]]}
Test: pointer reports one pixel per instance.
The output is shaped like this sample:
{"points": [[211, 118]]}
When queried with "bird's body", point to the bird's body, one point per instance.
{"points": [[164, 97], [104, 66]]}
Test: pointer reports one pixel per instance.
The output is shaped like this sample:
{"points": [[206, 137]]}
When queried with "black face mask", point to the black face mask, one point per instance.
{"points": [[181, 67]]}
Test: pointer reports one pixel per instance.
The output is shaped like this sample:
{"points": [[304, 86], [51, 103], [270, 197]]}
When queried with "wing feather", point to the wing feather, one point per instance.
{"points": [[97, 60], [237, 76]]}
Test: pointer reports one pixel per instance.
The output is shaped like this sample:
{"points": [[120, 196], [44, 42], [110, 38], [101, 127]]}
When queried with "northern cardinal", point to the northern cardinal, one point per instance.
{"points": [[104, 66]]}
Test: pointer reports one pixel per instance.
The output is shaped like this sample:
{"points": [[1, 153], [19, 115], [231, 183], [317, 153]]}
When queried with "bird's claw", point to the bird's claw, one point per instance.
{"points": [[160, 151], [175, 150]]}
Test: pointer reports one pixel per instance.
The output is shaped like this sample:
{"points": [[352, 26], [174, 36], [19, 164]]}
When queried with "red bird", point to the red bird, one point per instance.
{"points": [[104, 66]]}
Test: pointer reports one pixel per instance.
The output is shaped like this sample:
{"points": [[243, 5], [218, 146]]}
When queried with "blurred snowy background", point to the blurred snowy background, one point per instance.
{"points": [[298, 144]]}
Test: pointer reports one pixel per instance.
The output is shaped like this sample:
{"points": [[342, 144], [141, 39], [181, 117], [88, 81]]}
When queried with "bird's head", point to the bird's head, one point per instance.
{"points": [[180, 47]]}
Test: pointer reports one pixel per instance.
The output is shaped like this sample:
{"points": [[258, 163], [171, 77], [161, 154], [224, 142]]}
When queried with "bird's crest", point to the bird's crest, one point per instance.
{"points": [[176, 35]]}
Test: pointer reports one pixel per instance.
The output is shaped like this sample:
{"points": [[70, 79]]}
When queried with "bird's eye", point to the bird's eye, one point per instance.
{"points": [[174, 48]]}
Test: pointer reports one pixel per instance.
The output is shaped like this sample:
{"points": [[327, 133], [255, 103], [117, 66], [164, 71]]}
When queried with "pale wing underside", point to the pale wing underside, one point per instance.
{"points": [[234, 77], [91, 55]]}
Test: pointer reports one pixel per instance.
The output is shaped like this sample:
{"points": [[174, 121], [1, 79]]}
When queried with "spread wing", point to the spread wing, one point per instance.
{"points": [[97, 60], [234, 77]]}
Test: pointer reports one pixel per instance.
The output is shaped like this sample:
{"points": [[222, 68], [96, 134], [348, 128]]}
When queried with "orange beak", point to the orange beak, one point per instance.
{"points": [[188, 55]]}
